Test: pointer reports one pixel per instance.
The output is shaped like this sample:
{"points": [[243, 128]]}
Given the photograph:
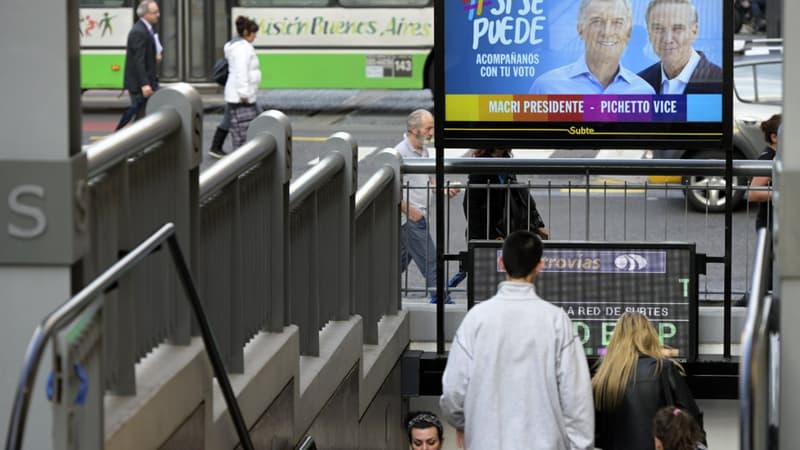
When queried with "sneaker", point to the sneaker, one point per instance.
{"points": [[449, 300], [457, 279], [217, 153], [742, 301]]}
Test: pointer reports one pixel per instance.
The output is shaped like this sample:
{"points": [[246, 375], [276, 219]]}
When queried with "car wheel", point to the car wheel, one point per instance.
{"points": [[707, 193]]}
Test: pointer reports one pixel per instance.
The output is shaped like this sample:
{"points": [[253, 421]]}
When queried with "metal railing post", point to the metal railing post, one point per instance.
{"points": [[186, 101], [316, 197], [344, 204], [277, 124], [377, 203], [391, 158]]}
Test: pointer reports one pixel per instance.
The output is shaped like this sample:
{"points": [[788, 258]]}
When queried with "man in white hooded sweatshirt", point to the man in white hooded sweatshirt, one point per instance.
{"points": [[516, 375]]}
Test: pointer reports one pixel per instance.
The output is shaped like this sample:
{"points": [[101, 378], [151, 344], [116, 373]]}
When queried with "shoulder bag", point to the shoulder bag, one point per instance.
{"points": [[520, 211]]}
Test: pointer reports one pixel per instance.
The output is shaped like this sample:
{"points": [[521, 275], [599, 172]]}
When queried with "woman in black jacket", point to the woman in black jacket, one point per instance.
{"points": [[485, 204], [629, 388]]}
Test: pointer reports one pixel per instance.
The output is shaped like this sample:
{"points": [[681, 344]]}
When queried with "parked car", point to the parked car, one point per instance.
{"points": [[757, 95]]}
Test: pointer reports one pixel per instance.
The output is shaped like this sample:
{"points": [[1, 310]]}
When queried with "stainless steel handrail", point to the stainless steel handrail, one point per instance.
{"points": [[225, 171], [582, 166], [70, 310], [754, 335], [307, 444], [372, 188], [128, 141]]}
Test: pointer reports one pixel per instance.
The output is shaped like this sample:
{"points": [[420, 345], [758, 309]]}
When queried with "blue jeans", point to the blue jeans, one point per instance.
{"points": [[416, 242]]}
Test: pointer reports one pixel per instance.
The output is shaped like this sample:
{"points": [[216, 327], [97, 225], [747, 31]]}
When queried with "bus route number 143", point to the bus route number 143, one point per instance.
{"points": [[389, 66]]}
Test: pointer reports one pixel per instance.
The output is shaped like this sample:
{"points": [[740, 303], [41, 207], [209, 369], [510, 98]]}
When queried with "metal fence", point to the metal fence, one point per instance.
{"points": [[266, 252], [377, 282], [607, 200], [141, 178], [243, 202], [321, 211]]}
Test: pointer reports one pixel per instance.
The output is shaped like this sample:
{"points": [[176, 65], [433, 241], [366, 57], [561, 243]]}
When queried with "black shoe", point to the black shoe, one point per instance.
{"points": [[742, 301], [216, 150], [217, 153]]}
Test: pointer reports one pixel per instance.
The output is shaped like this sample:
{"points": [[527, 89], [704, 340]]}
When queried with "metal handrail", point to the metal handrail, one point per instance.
{"points": [[128, 141], [235, 164], [70, 310], [753, 336], [372, 188], [307, 444], [582, 166], [314, 178]]}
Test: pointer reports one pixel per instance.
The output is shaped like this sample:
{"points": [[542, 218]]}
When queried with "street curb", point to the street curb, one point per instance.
{"points": [[291, 100]]}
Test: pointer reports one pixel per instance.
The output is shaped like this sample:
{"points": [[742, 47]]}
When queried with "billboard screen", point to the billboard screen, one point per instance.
{"points": [[595, 283], [584, 73]]}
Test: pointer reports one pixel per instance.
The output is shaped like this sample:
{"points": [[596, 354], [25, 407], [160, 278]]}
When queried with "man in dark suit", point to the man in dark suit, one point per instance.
{"points": [[672, 27], [141, 79]]}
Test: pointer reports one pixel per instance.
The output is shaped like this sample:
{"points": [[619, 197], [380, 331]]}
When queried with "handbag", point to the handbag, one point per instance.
{"points": [[666, 387], [219, 71], [520, 211]]}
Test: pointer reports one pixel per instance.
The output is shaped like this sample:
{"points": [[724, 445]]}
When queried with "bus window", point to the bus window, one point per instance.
{"points": [[374, 3], [104, 3], [286, 3]]}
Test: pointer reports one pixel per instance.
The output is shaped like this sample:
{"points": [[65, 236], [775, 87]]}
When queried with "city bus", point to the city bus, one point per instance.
{"points": [[303, 44]]}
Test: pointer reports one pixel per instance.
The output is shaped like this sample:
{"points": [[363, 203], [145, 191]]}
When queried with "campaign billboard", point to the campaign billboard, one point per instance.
{"points": [[584, 73]]}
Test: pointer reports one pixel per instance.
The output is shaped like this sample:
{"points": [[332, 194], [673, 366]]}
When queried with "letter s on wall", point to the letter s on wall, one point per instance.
{"points": [[31, 212]]}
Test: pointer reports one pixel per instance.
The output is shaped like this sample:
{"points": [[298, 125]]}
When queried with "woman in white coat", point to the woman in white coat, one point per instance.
{"points": [[244, 77]]}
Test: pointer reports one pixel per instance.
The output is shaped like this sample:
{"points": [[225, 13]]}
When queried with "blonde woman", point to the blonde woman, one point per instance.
{"points": [[628, 389]]}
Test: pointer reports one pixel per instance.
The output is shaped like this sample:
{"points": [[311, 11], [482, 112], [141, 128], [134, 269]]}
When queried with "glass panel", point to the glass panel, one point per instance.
{"points": [[291, 3], [373, 3], [104, 3], [744, 84], [769, 78]]}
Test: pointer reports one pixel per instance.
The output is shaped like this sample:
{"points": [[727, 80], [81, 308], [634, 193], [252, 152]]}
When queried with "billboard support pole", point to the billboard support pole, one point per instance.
{"points": [[727, 144], [440, 273], [438, 105]]}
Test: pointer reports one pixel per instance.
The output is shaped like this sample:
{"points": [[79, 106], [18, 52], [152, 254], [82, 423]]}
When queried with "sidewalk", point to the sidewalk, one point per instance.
{"points": [[288, 100]]}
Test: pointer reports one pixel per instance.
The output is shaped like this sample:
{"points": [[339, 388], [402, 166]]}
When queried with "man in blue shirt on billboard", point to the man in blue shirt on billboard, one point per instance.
{"points": [[605, 27], [672, 26]]}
